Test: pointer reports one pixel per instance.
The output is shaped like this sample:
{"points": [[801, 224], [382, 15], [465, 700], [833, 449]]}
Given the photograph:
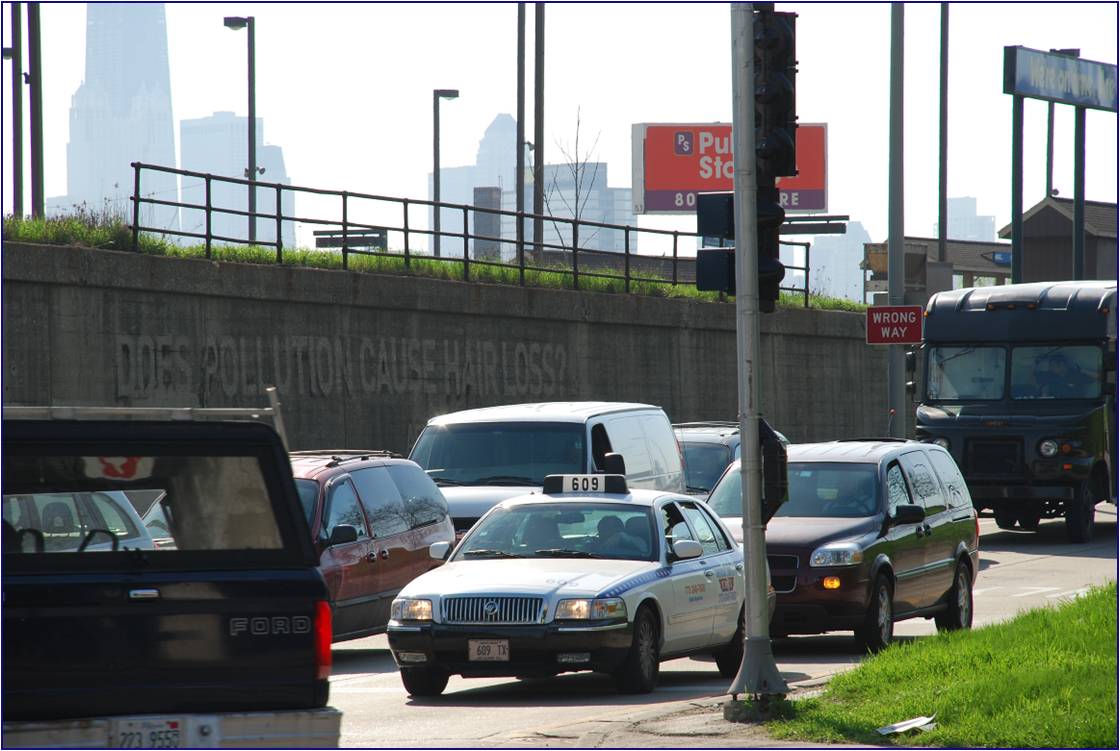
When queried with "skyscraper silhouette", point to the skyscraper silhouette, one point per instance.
{"points": [[121, 113]]}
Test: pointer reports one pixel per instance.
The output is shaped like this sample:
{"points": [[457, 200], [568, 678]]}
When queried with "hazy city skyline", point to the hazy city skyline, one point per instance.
{"points": [[346, 89]]}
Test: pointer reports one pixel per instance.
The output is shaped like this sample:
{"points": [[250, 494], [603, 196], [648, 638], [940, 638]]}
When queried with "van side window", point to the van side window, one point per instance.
{"points": [[600, 444], [925, 484], [423, 501], [382, 500], [946, 469], [897, 492], [342, 508]]}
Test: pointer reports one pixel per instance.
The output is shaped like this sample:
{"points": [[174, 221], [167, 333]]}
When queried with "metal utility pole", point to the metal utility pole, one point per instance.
{"points": [[35, 69], [1078, 193], [253, 134], [519, 180], [896, 260], [943, 141], [538, 133], [15, 54], [1050, 129], [758, 673]]}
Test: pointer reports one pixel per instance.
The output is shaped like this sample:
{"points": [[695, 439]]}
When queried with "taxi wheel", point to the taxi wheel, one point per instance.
{"points": [[638, 673], [959, 613], [424, 681], [877, 629], [730, 658]]}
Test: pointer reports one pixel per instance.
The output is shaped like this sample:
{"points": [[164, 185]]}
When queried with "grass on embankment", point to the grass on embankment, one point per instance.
{"points": [[1045, 679], [86, 229]]}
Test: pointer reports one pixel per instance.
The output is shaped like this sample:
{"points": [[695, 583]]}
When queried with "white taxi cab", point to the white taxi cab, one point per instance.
{"points": [[586, 575]]}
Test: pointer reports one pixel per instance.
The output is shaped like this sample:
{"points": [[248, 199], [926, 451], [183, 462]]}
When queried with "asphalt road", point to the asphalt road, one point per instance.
{"points": [[1018, 571]]}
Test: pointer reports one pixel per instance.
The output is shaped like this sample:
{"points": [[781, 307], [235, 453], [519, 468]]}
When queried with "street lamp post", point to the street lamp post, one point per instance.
{"points": [[438, 94], [235, 23]]}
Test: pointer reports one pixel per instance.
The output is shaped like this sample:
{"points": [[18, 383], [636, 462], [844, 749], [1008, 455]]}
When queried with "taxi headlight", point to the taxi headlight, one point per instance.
{"points": [[611, 607], [1048, 448], [836, 554], [409, 609]]}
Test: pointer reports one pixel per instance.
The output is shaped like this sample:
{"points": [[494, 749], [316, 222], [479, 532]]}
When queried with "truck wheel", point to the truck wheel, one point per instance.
{"points": [[1006, 519], [1080, 513], [424, 681], [638, 673], [1028, 521], [959, 613], [730, 658], [877, 629]]}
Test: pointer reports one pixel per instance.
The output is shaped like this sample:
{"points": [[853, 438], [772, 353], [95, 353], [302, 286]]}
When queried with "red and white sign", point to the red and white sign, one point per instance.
{"points": [[674, 162], [894, 324]]}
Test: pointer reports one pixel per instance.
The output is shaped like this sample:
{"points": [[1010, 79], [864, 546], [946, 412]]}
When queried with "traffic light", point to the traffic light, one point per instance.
{"points": [[770, 268], [715, 267], [775, 69]]}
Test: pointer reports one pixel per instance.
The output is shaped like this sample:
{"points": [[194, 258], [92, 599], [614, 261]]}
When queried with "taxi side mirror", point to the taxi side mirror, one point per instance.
{"points": [[687, 549], [439, 550], [614, 464]]}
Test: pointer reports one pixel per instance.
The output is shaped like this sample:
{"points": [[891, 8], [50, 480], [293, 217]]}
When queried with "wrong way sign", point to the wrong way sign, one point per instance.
{"points": [[894, 324]]}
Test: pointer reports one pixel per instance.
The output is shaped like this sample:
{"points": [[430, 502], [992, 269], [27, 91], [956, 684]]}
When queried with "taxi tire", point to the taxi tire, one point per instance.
{"points": [[877, 629], [638, 672], [424, 681], [730, 658], [959, 613]]}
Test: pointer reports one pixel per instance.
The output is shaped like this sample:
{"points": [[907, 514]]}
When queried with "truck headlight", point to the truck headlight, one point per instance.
{"points": [[836, 554], [409, 609], [611, 607], [1048, 448]]}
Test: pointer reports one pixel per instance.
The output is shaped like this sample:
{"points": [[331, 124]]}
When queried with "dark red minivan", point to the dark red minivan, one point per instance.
{"points": [[372, 516]]}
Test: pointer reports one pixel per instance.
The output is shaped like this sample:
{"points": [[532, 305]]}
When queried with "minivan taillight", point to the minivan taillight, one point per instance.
{"points": [[322, 640]]}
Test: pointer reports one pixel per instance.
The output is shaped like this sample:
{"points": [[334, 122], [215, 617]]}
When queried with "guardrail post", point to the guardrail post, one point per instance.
{"points": [[345, 233], [279, 217], [626, 253], [406, 258], [466, 246], [676, 236], [136, 208], [209, 228]]}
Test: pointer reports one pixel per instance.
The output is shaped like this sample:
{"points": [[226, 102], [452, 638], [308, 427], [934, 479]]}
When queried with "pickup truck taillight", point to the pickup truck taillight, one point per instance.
{"points": [[322, 640]]}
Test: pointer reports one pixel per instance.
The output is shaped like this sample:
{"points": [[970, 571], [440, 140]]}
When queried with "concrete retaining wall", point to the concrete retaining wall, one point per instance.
{"points": [[363, 360]]}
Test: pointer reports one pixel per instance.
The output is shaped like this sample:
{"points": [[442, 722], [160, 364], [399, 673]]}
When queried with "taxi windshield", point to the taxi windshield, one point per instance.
{"points": [[500, 453], [568, 530]]}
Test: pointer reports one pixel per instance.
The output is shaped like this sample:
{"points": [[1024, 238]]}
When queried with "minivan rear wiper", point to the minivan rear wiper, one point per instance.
{"points": [[505, 480]]}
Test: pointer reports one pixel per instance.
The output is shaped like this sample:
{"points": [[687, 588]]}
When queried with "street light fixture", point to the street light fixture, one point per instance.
{"points": [[438, 94], [235, 23]]}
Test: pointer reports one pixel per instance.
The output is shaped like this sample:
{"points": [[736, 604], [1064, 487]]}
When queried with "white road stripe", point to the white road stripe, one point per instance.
{"points": [[1035, 591]]}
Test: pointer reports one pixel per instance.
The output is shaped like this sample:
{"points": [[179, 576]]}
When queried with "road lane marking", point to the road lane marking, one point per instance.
{"points": [[1035, 591], [1070, 593]]}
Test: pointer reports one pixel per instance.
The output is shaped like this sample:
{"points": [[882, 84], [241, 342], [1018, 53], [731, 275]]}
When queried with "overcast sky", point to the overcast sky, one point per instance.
{"points": [[345, 89]]}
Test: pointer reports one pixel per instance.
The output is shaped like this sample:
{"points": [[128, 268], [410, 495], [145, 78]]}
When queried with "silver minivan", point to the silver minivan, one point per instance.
{"points": [[480, 457]]}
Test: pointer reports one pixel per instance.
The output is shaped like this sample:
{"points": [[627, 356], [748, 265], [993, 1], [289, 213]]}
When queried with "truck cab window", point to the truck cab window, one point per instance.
{"points": [[966, 373]]}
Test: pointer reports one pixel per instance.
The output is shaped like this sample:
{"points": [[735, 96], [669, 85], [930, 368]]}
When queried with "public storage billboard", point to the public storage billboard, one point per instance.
{"points": [[673, 162]]}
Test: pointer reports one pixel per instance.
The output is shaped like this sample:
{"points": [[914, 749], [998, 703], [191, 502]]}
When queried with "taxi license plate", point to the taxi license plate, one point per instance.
{"points": [[148, 732], [488, 650]]}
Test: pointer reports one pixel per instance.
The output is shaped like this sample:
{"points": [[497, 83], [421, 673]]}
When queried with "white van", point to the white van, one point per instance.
{"points": [[480, 457]]}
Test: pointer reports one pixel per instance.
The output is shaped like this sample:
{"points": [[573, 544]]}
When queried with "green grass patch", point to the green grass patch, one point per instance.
{"points": [[1046, 679], [110, 232]]}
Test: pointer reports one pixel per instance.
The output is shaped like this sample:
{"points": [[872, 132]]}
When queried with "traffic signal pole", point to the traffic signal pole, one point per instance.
{"points": [[758, 674], [896, 259]]}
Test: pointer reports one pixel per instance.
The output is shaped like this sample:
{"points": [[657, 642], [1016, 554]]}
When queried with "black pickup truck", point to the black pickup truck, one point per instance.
{"points": [[214, 632]]}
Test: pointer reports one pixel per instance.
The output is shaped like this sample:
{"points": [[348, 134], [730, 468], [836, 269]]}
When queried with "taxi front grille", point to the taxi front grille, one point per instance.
{"points": [[492, 610]]}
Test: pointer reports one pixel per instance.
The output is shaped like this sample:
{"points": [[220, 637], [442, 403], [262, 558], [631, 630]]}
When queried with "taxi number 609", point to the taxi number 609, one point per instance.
{"points": [[585, 484]]}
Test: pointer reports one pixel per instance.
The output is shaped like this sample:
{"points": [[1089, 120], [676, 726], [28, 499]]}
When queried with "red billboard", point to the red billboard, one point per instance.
{"points": [[894, 324], [674, 162]]}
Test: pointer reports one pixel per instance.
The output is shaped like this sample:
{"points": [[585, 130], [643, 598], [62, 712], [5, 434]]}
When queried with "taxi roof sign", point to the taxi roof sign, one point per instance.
{"points": [[560, 484]]}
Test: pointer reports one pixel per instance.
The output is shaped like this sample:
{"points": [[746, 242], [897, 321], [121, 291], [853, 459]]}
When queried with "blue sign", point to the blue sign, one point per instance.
{"points": [[1058, 78], [1001, 258]]}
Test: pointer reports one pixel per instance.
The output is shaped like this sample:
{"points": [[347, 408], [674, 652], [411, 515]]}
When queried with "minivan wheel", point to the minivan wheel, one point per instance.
{"points": [[877, 629], [639, 671], [1080, 513], [959, 613], [424, 681]]}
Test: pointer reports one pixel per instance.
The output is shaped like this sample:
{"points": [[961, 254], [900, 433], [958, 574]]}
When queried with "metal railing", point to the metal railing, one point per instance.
{"points": [[561, 254]]}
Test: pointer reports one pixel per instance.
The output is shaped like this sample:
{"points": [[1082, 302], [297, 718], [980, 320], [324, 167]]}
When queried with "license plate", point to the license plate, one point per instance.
{"points": [[149, 732], [488, 650]]}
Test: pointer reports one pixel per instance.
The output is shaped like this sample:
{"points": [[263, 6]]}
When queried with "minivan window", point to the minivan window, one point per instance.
{"points": [[501, 453], [382, 500], [423, 503], [704, 463], [342, 508], [966, 373], [897, 492], [308, 498], [925, 484], [951, 478]]}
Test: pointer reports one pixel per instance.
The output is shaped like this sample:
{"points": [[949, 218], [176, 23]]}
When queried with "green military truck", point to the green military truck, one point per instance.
{"points": [[1020, 387]]}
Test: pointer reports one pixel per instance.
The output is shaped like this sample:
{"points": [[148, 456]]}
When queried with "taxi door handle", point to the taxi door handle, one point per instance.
{"points": [[709, 573]]}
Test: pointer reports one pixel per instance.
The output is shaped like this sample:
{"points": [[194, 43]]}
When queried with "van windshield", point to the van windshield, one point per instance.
{"points": [[500, 453], [966, 373], [1056, 372]]}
